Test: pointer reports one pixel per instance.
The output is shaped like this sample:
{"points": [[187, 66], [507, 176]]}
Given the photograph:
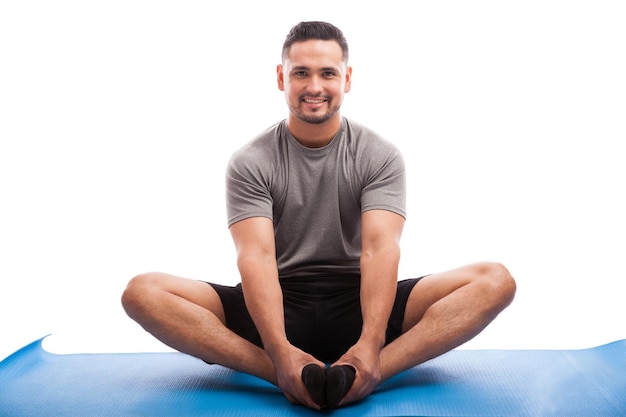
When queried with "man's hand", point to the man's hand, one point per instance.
{"points": [[289, 364], [365, 358]]}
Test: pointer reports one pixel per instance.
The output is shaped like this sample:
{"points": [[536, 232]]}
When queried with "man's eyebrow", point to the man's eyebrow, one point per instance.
{"points": [[305, 68]]}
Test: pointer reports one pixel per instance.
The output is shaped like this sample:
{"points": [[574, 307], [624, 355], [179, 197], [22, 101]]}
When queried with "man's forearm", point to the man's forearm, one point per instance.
{"points": [[264, 300], [379, 273]]}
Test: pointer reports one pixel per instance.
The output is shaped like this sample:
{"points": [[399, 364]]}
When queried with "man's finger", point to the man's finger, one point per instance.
{"points": [[305, 400]]}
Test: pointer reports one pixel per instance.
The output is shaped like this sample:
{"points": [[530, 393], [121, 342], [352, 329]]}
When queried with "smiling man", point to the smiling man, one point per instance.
{"points": [[316, 208]]}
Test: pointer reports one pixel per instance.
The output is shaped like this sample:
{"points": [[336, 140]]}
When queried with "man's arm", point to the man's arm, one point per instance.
{"points": [[380, 257], [381, 232], [256, 260]]}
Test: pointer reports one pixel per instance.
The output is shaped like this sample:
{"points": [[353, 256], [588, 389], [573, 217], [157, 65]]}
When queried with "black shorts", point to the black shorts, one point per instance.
{"points": [[322, 314]]}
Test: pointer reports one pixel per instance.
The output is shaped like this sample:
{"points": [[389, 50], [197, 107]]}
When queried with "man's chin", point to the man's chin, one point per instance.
{"points": [[315, 118], [314, 121]]}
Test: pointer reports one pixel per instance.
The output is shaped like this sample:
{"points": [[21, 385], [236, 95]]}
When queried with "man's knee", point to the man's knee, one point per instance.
{"points": [[137, 290], [497, 281]]}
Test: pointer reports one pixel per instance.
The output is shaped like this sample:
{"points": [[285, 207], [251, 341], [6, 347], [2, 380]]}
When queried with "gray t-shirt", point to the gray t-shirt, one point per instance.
{"points": [[315, 196]]}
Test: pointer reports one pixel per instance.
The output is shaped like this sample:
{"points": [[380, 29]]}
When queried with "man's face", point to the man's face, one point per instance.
{"points": [[314, 78]]}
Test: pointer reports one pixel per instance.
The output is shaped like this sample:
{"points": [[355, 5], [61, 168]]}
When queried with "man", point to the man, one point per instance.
{"points": [[316, 210]]}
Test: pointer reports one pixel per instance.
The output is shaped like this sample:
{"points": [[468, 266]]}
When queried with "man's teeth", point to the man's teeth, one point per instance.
{"points": [[312, 101]]}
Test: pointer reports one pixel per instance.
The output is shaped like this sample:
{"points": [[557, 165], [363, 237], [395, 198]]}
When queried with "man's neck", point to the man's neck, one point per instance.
{"points": [[314, 135]]}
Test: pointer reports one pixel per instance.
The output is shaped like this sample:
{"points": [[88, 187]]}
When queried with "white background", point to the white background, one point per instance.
{"points": [[117, 119]]}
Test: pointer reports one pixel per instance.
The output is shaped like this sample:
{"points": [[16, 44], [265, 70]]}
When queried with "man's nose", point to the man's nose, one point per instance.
{"points": [[315, 85]]}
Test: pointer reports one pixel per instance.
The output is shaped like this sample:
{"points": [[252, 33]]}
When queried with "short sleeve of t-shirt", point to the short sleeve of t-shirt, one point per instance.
{"points": [[384, 175], [250, 177]]}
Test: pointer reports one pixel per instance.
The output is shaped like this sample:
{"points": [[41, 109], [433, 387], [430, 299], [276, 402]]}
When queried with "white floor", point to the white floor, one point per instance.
{"points": [[118, 119]]}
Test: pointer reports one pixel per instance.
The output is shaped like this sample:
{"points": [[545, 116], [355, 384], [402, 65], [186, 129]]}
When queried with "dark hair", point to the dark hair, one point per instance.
{"points": [[305, 31]]}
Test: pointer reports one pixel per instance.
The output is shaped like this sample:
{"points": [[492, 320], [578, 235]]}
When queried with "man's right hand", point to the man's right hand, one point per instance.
{"points": [[289, 362]]}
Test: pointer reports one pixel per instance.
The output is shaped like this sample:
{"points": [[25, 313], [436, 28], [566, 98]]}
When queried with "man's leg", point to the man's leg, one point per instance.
{"points": [[444, 311], [188, 316]]}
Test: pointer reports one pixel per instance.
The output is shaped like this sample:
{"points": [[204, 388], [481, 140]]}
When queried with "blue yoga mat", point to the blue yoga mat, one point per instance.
{"points": [[563, 383]]}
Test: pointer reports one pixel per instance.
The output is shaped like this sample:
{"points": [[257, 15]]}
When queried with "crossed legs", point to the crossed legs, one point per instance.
{"points": [[443, 311]]}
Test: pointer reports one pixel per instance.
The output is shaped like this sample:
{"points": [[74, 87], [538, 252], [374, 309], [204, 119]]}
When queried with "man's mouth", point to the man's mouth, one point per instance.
{"points": [[309, 100]]}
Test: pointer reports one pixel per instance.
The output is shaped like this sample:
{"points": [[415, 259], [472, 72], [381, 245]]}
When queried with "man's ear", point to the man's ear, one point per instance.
{"points": [[280, 77], [348, 80]]}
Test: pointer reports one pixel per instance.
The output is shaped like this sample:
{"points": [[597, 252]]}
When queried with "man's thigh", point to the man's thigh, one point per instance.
{"points": [[196, 292], [433, 288]]}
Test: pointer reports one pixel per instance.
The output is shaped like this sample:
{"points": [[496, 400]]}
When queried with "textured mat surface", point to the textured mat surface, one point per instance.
{"points": [[588, 382]]}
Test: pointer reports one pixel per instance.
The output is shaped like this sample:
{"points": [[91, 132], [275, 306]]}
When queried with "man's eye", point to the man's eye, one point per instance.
{"points": [[300, 74], [329, 74]]}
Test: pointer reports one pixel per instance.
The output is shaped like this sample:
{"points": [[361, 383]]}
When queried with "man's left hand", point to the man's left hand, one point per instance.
{"points": [[366, 361]]}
